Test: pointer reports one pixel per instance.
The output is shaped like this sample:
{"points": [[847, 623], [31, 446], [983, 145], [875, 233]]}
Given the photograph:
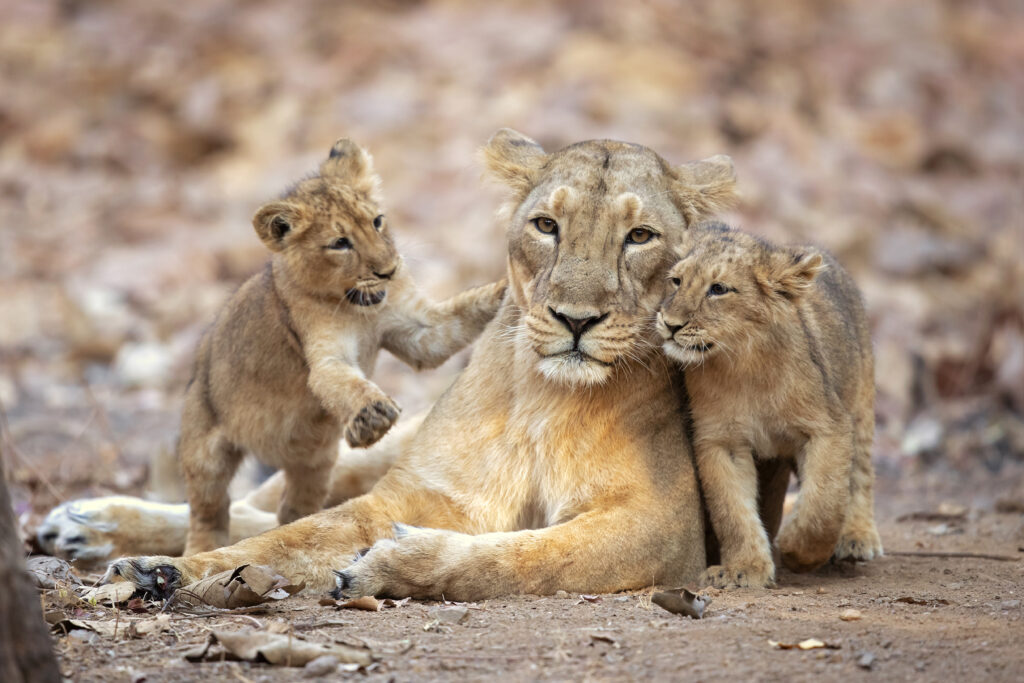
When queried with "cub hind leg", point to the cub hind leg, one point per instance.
{"points": [[307, 481], [209, 461], [859, 539]]}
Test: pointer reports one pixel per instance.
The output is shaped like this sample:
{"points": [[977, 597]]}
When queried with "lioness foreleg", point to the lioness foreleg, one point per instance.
{"points": [[809, 537], [729, 478], [598, 551]]}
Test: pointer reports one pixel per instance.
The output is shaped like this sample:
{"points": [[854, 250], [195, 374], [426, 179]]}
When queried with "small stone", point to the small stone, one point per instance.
{"points": [[850, 615], [561, 594], [449, 615], [83, 635], [866, 661], [321, 666], [624, 598], [1009, 604]]}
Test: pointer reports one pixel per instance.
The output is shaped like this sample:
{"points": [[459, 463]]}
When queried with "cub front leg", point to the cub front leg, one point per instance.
{"points": [[809, 537], [365, 411], [729, 479]]}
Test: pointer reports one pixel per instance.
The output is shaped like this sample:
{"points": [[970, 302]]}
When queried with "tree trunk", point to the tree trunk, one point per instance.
{"points": [[26, 653]]}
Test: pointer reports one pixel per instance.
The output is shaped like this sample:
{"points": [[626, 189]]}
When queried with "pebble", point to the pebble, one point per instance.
{"points": [[866, 661], [850, 615], [321, 666], [1009, 604]]}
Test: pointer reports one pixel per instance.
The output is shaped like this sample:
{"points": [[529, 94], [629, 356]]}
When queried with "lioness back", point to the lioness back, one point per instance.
{"points": [[778, 362]]}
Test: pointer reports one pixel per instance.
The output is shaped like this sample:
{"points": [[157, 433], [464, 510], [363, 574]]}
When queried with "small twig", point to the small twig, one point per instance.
{"points": [[936, 553], [7, 468]]}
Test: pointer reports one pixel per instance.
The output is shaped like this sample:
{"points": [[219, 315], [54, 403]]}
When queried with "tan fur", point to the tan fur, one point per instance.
{"points": [[778, 365], [558, 460], [283, 371]]}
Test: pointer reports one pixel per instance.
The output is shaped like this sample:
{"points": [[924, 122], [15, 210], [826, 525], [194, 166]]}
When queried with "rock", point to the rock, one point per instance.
{"points": [[866, 661], [850, 615], [321, 666], [1009, 604]]}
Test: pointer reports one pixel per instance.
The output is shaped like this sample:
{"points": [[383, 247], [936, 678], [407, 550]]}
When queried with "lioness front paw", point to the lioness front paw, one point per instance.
{"points": [[156, 575], [859, 544], [414, 564], [371, 422], [721, 576]]}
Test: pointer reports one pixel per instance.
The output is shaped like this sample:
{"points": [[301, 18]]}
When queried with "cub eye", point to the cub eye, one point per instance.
{"points": [[378, 221], [546, 225], [717, 289], [340, 244], [639, 236], [676, 282]]}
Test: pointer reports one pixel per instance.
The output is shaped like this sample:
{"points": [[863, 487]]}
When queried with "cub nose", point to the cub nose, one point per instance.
{"points": [[387, 275], [577, 325], [672, 329]]}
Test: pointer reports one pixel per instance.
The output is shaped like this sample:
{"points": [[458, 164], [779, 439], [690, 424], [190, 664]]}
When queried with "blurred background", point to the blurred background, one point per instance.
{"points": [[137, 139]]}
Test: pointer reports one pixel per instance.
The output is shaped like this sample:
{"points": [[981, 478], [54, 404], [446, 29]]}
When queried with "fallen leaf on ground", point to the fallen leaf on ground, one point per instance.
{"points": [[367, 602], [244, 586], [274, 648], [47, 571], [682, 601], [911, 600], [110, 593], [603, 638], [850, 615], [106, 629], [809, 644], [588, 598]]}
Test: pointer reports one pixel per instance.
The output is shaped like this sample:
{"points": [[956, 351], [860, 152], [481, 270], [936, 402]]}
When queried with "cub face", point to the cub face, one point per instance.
{"points": [[591, 230], [331, 232], [727, 289]]}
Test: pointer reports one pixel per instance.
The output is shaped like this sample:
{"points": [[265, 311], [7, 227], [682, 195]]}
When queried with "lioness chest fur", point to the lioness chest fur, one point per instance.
{"points": [[283, 371], [778, 364]]}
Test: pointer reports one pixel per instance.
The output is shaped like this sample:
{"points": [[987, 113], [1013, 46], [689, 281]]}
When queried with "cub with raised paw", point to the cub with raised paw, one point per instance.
{"points": [[777, 357], [283, 371]]}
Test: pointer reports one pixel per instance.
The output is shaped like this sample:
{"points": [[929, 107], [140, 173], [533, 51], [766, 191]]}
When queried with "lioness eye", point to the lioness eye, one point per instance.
{"points": [[378, 221], [675, 281], [717, 289], [639, 236], [340, 243], [546, 225]]}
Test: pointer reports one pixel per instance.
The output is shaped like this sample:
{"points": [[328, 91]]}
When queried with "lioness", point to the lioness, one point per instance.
{"points": [[559, 458], [283, 371], [778, 362]]}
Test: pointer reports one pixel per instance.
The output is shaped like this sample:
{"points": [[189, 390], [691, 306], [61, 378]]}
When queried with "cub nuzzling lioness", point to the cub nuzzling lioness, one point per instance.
{"points": [[777, 357], [282, 372]]}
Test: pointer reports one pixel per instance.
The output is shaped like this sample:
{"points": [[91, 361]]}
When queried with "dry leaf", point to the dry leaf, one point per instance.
{"points": [[449, 615], [809, 644], [106, 629], [110, 593], [141, 628], [911, 600], [47, 571], [243, 586], [274, 648], [588, 598], [682, 601]]}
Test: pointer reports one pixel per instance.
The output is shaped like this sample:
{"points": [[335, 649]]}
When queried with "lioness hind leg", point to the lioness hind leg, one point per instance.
{"points": [[730, 481], [859, 539], [208, 461], [809, 537]]}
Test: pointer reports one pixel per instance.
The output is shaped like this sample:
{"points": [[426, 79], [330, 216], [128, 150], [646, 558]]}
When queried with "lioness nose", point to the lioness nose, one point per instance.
{"points": [[577, 325]]}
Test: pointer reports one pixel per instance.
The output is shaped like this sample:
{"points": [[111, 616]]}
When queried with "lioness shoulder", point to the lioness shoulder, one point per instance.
{"points": [[283, 371], [777, 354]]}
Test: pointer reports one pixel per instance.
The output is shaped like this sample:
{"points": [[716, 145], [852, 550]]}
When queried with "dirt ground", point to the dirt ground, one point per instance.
{"points": [[920, 618]]}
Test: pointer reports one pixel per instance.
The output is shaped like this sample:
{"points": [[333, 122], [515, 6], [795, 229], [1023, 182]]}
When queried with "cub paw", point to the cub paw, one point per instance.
{"points": [[801, 553], [858, 544], [721, 576], [371, 422], [156, 576]]}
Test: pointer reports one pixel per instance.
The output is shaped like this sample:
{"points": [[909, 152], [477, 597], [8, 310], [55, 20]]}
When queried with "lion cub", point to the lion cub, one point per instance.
{"points": [[778, 364], [282, 372]]}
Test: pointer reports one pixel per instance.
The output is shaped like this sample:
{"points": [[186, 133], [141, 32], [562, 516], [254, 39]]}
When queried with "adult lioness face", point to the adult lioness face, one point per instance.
{"points": [[592, 231]]}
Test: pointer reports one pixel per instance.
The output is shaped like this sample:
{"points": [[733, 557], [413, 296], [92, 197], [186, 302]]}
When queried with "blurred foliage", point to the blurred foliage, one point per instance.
{"points": [[136, 139]]}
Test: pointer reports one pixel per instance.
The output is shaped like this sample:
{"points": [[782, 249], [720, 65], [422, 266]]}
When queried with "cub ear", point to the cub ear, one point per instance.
{"points": [[791, 273], [353, 165], [513, 159], [275, 222], [703, 188]]}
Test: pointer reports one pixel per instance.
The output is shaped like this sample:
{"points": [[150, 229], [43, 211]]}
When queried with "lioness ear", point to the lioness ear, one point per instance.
{"points": [[791, 273], [275, 221], [353, 165], [703, 188], [513, 159]]}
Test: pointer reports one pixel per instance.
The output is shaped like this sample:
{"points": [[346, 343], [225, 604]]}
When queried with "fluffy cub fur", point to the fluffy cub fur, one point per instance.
{"points": [[778, 365], [282, 372]]}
